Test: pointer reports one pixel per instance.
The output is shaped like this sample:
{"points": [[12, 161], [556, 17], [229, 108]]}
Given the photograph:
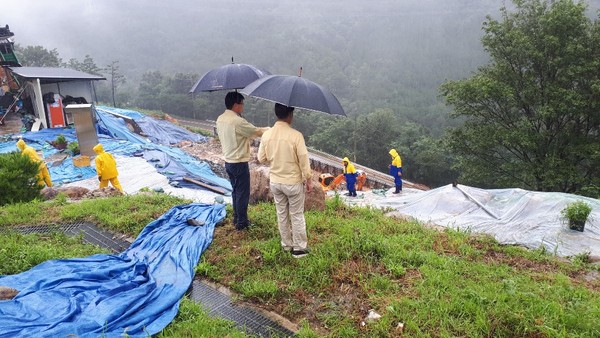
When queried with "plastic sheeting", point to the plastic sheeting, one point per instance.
{"points": [[512, 216], [140, 174], [158, 131], [116, 128], [136, 292], [166, 133], [119, 140]]}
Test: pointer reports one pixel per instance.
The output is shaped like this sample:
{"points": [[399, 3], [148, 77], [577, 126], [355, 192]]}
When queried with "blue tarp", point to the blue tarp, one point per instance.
{"points": [[136, 292], [117, 139], [158, 131], [117, 128], [165, 132]]}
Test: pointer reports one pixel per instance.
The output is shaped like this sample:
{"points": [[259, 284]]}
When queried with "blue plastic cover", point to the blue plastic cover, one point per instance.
{"points": [[158, 131], [136, 292], [165, 132], [117, 128], [119, 140]]}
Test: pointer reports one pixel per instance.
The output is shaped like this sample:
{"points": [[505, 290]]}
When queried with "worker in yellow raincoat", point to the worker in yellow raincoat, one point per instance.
{"points": [[396, 170], [43, 175], [106, 167], [350, 175]]}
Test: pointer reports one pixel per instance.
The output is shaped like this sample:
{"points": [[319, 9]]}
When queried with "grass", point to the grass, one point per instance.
{"points": [[22, 252], [193, 321], [434, 283], [124, 214]]}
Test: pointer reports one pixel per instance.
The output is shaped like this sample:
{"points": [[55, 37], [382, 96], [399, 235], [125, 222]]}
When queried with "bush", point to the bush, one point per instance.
{"points": [[61, 139], [18, 181], [74, 148], [577, 211]]}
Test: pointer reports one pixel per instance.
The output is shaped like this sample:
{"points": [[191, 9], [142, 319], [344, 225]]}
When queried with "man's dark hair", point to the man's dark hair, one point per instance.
{"points": [[232, 98], [282, 112]]}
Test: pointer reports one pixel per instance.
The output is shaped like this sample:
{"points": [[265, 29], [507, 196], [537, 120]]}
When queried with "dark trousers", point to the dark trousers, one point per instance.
{"points": [[239, 175], [398, 180], [351, 184]]}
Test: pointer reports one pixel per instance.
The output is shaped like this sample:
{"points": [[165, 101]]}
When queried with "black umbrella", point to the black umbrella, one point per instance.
{"points": [[228, 77], [295, 91]]}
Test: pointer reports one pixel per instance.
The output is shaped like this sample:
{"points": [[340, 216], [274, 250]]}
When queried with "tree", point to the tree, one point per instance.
{"points": [[88, 65], [38, 56], [532, 114], [149, 90], [115, 77]]}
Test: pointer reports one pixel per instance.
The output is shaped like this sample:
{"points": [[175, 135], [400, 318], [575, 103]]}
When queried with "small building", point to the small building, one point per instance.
{"points": [[51, 89], [42, 91]]}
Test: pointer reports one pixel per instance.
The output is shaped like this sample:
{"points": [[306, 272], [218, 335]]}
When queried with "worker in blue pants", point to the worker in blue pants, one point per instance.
{"points": [[396, 170], [350, 175]]}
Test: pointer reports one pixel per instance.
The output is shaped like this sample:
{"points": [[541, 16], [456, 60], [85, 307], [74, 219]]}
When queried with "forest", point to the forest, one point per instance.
{"points": [[493, 96]]}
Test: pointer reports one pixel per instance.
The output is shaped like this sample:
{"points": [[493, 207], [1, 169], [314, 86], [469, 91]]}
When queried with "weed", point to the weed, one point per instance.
{"points": [[582, 259], [261, 287]]}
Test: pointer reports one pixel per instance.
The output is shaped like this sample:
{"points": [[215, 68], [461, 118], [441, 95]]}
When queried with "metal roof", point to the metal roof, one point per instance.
{"points": [[50, 74]]}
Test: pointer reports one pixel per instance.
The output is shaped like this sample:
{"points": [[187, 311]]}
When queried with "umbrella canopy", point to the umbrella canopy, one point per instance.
{"points": [[295, 91], [228, 77]]}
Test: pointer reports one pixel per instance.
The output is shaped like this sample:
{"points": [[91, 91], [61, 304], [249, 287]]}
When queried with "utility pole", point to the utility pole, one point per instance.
{"points": [[354, 136]]}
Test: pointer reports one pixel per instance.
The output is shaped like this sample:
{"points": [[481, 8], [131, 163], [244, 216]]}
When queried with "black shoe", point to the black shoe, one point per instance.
{"points": [[347, 194], [300, 253], [242, 227]]}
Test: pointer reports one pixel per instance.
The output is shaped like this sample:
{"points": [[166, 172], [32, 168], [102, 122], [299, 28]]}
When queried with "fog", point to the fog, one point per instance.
{"points": [[387, 51], [184, 35]]}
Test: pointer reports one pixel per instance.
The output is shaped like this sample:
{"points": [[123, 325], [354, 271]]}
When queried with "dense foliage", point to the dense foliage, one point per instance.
{"points": [[532, 113], [18, 182]]}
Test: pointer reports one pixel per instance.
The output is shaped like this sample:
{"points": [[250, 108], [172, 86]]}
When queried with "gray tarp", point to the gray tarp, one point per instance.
{"points": [[527, 218]]}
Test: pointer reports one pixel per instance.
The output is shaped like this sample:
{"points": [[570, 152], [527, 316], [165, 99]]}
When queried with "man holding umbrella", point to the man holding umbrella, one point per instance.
{"points": [[284, 149], [235, 134]]}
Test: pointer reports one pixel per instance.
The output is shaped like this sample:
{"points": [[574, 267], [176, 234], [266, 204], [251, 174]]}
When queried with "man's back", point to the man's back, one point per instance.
{"points": [[284, 148]]}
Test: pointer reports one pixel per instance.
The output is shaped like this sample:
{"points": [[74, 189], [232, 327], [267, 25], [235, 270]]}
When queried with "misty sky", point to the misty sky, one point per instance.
{"points": [[408, 46], [113, 29], [120, 29]]}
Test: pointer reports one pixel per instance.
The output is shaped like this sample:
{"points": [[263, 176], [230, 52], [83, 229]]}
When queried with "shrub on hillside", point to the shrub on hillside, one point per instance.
{"points": [[18, 182]]}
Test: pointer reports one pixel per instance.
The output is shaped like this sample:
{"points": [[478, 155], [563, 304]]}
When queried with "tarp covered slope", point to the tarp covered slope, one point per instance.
{"points": [[136, 292], [512, 216], [158, 131], [119, 140]]}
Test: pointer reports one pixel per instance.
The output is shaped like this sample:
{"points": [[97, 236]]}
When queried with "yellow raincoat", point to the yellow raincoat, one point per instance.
{"points": [[396, 160], [396, 170], [106, 167], [43, 175], [350, 175]]}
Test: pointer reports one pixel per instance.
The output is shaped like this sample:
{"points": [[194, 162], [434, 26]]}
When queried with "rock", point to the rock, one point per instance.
{"points": [[104, 192], [7, 293], [259, 184], [71, 192], [260, 192], [315, 200], [372, 316]]}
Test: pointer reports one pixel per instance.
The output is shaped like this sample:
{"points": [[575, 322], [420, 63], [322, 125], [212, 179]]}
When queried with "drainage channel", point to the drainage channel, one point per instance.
{"points": [[217, 303]]}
